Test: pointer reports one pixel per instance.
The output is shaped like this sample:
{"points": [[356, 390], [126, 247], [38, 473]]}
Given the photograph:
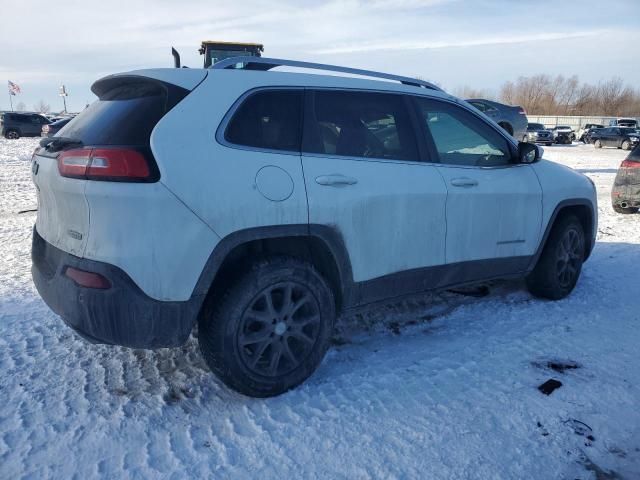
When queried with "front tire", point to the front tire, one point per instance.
{"points": [[597, 144], [559, 266], [626, 145], [271, 329]]}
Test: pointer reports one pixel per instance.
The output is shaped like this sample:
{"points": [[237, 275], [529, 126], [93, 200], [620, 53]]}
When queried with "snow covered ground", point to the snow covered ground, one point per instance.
{"points": [[438, 386]]}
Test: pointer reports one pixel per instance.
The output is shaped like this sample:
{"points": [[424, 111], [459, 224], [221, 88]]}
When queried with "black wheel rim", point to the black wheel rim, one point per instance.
{"points": [[569, 258], [279, 329]]}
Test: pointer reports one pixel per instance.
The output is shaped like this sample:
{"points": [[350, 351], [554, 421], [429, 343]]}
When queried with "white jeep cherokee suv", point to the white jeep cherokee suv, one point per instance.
{"points": [[262, 203]]}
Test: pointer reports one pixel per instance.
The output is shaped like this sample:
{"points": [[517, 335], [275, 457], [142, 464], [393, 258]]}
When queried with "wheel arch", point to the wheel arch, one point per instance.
{"points": [[320, 245], [583, 209]]}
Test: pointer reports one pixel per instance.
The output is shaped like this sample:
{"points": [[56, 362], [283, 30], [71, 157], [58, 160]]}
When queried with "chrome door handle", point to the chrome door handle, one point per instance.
{"points": [[335, 180], [464, 182]]}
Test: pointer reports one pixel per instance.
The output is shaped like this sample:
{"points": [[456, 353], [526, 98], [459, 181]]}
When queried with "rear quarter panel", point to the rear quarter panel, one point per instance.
{"points": [[218, 182], [146, 231]]}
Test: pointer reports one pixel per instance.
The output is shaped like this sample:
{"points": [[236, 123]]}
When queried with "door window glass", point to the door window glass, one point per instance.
{"points": [[360, 124], [460, 137]]}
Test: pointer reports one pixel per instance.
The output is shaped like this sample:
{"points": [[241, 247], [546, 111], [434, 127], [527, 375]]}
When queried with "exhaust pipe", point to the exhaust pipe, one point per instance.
{"points": [[624, 205], [176, 57]]}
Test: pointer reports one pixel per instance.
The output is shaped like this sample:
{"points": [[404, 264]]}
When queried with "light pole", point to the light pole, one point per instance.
{"points": [[63, 93]]}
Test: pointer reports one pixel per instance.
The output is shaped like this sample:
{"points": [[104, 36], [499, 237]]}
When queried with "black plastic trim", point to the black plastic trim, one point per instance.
{"points": [[369, 291], [122, 315], [590, 236]]}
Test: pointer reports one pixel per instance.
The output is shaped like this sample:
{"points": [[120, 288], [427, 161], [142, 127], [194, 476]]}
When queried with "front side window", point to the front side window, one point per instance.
{"points": [[270, 119], [460, 137], [360, 124]]}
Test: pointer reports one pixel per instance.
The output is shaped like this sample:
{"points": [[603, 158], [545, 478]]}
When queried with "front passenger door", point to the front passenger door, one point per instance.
{"points": [[494, 206]]}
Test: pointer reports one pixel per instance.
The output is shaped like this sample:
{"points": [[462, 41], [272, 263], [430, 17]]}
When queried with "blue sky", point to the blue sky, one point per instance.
{"points": [[453, 42]]}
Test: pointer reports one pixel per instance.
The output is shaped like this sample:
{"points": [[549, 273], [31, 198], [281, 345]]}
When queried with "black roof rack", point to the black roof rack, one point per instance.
{"points": [[262, 63]]}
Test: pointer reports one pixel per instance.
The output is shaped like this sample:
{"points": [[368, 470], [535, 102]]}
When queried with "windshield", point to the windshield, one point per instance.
{"points": [[535, 126]]}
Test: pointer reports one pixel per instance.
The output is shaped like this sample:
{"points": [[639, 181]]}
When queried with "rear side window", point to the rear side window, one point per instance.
{"points": [[460, 137], [270, 119], [125, 114], [360, 124]]}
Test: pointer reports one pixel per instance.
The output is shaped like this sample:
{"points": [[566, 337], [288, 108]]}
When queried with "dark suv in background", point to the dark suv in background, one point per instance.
{"points": [[538, 133], [513, 119], [16, 125]]}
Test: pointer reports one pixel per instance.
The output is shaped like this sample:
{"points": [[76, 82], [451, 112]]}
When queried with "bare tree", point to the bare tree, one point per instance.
{"points": [[21, 107], [42, 107], [469, 92], [543, 95]]}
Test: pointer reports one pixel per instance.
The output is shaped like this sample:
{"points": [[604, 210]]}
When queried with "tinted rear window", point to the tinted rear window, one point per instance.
{"points": [[270, 119], [124, 115]]}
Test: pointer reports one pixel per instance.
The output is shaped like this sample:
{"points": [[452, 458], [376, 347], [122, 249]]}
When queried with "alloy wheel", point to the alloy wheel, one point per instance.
{"points": [[279, 329], [569, 257]]}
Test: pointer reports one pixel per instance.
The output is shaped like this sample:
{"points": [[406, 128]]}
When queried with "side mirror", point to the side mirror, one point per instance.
{"points": [[529, 152]]}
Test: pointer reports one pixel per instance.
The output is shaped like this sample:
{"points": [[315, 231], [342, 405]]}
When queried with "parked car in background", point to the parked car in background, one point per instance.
{"points": [[624, 122], [513, 119], [582, 134], [15, 125], [538, 133], [563, 134], [625, 195], [51, 129], [394, 188], [619, 137]]}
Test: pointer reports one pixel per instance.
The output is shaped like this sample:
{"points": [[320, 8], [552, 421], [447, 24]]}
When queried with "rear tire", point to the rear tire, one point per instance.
{"points": [[271, 329], [12, 135], [627, 210], [559, 266], [597, 144]]}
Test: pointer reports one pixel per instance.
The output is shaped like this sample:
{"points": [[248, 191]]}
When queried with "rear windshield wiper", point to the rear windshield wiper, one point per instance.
{"points": [[55, 144]]}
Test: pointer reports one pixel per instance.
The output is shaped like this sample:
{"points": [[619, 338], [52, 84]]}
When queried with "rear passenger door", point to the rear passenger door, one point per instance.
{"points": [[494, 206], [364, 177]]}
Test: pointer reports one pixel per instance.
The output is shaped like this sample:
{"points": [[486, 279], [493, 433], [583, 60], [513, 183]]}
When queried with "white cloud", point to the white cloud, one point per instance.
{"points": [[472, 42]]}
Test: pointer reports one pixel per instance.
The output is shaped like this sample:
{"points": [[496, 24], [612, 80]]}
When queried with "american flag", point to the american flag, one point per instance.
{"points": [[14, 89]]}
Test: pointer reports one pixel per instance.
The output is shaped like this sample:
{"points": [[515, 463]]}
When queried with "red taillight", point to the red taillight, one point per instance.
{"points": [[630, 164], [74, 163], [87, 279], [119, 164], [522, 111]]}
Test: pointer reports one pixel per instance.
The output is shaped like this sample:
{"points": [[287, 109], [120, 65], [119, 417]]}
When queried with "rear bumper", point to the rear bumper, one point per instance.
{"points": [[626, 195], [121, 315]]}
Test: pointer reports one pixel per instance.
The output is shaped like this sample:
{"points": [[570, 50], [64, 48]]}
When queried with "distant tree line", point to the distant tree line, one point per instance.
{"points": [[546, 95], [41, 106]]}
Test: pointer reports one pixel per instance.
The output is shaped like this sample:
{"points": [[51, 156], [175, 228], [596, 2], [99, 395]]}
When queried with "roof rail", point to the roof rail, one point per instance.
{"points": [[262, 63]]}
